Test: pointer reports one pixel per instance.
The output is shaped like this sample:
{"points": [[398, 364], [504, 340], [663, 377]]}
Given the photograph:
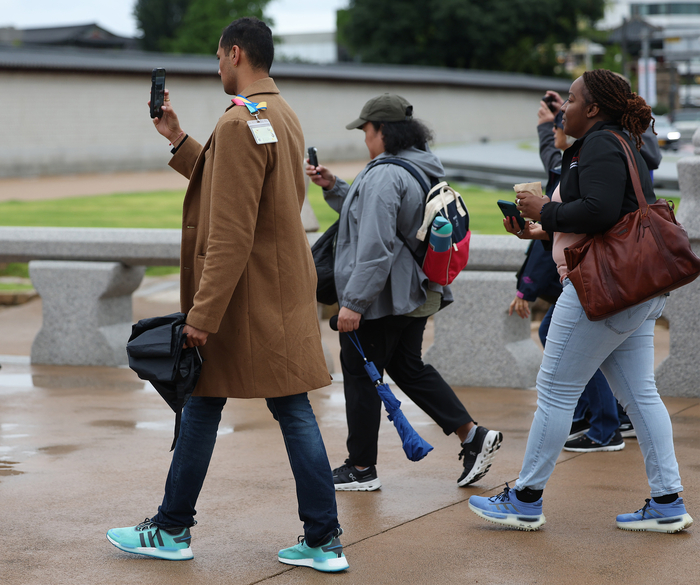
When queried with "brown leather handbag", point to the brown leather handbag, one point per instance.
{"points": [[645, 254]]}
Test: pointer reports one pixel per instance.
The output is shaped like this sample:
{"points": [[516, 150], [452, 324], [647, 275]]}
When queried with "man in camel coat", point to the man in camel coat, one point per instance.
{"points": [[248, 287]]}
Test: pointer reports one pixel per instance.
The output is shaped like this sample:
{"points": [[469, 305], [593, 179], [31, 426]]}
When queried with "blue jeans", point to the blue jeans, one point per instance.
{"points": [[305, 448], [596, 399], [623, 348]]}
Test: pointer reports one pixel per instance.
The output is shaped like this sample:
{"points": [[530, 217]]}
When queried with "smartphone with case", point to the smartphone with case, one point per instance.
{"points": [[549, 100], [313, 156], [509, 209], [157, 92]]}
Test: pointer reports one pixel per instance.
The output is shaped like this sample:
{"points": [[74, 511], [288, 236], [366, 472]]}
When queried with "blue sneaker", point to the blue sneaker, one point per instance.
{"points": [[149, 540], [507, 509], [328, 558], [655, 517]]}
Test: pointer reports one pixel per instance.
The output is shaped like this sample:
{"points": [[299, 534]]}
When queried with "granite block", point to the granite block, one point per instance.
{"points": [[476, 342], [87, 312]]}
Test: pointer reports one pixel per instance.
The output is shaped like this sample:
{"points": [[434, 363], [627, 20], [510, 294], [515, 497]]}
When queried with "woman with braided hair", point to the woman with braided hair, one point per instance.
{"points": [[594, 193]]}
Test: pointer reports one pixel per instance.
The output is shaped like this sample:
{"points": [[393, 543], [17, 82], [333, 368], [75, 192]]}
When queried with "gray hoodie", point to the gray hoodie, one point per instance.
{"points": [[375, 274]]}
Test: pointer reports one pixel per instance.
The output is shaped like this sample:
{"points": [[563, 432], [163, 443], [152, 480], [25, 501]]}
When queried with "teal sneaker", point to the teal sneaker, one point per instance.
{"points": [[653, 517], [328, 558], [150, 540]]}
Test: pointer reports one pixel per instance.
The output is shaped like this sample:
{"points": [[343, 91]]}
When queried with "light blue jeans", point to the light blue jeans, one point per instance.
{"points": [[623, 348]]}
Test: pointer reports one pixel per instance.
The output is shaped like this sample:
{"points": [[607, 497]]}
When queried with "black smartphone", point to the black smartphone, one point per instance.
{"points": [[510, 210], [548, 99], [313, 156], [157, 92]]}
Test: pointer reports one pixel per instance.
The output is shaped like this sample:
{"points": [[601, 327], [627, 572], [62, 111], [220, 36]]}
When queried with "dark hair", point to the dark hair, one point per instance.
{"points": [[254, 37], [617, 101], [405, 134]]}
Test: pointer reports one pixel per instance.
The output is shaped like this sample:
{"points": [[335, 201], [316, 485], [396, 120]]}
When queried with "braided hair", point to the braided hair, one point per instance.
{"points": [[617, 101]]}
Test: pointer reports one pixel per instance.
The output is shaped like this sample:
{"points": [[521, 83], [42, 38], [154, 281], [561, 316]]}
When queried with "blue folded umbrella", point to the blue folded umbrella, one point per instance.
{"points": [[414, 445]]}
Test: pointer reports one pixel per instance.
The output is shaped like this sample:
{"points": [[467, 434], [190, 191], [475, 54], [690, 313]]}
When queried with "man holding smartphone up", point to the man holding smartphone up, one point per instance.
{"points": [[248, 287]]}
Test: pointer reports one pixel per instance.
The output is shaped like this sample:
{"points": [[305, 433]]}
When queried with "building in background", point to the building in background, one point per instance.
{"points": [[90, 36], [72, 82], [673, 38]]}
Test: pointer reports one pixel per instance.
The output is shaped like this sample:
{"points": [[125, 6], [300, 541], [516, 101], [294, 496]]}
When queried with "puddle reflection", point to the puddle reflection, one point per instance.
{"points": [[59, 449], [10, 383], [6, 468], [155, 425], [120, 424], [168, 426], [96, 380]]}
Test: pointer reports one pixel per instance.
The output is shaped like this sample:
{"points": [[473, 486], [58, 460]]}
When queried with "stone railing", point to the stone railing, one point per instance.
{"points": [[476, 342], [86, 278], [679, 373]]}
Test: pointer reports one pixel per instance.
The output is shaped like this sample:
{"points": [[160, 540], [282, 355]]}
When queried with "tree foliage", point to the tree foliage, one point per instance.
{"points": [[158, 20], [191, 26], [501, 35]]}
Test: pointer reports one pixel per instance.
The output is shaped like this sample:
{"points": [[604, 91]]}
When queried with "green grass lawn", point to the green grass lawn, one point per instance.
{"points": [[162, 209], [484, 215], [9, 286]]}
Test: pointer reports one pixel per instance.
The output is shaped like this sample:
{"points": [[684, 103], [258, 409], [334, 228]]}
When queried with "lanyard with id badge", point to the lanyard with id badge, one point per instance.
{"points": [[262, 129]]}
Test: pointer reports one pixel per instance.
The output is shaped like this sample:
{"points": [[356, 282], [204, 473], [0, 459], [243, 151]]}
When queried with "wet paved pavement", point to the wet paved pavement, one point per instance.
{"points": [[86, 449]]}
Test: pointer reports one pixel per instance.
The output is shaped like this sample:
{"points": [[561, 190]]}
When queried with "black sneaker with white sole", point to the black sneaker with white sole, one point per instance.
{"points": [[347, 478], [584, 444], [478, 455]]}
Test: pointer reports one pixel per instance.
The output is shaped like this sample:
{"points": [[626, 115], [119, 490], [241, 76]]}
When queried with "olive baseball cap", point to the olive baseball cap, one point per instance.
{"points": [[388, 107]]}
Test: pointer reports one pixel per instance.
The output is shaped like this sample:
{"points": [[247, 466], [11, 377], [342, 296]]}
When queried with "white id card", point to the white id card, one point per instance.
{"points": [[262, 131]]}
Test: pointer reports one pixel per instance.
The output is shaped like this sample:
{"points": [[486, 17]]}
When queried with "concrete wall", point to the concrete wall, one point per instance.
{"points": [[63, 122]]}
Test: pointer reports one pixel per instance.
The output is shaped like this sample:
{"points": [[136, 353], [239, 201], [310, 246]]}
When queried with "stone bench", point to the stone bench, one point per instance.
{"points": [[476, 342], [85, 277]]}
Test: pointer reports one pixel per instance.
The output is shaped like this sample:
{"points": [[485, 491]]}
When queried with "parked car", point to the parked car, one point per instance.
{"points": [[666, 133], [687, 122]]}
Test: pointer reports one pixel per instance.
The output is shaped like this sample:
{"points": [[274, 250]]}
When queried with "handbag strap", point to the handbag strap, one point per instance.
{"points": [[634, 172]]}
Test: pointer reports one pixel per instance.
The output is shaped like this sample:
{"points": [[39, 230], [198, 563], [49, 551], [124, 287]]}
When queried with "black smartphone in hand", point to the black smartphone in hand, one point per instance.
{"points": [[157, 92], [549, 100], [509, 209], [313, 156]]}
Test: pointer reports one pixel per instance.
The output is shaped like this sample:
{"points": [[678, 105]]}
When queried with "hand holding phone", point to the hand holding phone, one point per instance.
{"points": [[157, 92], [509, 209]]}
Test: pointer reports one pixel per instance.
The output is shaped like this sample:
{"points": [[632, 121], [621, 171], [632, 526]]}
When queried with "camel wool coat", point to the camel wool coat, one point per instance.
{"points": [[246, 271]]}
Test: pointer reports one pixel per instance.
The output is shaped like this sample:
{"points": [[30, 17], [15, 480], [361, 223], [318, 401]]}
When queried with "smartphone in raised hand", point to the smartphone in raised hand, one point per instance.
{"points": [[313, 156], [157, 92]]}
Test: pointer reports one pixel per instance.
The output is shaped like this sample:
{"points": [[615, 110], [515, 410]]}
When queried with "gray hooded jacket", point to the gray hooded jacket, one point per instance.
{"points": [[375, 274]]}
